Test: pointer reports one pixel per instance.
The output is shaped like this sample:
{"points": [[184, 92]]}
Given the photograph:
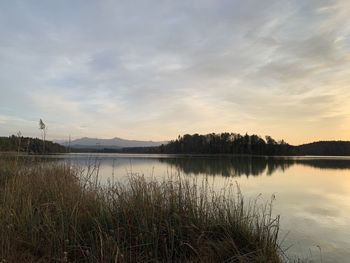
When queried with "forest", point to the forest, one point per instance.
{"points": [[227, 143], [233, 143], [29, 145]]}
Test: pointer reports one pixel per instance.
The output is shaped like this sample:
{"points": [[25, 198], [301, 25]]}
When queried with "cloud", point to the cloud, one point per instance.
{"points": [[153, 70]]}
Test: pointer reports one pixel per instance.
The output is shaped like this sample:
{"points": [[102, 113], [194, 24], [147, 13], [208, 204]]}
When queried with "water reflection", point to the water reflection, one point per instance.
{"points": [[340, 163], [237, 166], [248, 166], [227, 166]]}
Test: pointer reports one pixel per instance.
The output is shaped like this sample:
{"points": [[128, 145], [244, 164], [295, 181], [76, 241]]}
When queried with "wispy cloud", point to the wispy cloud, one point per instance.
{"points": [[153, 70]]}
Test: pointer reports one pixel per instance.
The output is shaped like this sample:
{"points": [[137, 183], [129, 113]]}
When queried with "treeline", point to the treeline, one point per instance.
{"points": [[29, 145], [325, 148], [227, 143], [146, 150], [233, 143]]}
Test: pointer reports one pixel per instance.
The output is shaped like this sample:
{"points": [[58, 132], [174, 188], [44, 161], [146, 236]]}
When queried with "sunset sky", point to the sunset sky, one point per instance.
{"points": [[157, 69]]}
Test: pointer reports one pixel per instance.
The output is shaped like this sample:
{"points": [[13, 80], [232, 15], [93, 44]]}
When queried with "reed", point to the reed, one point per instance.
{"points": [[55, 213]]}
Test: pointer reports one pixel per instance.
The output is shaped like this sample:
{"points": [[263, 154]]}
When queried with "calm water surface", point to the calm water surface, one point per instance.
{"points": [[312, 193]]}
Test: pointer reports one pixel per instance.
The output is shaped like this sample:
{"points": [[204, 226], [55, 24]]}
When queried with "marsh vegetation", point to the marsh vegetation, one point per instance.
{"points": [[52, 212]]}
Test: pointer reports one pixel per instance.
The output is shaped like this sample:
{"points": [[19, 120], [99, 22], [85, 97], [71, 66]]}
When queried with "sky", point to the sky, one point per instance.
{"points": [[152, 70]]}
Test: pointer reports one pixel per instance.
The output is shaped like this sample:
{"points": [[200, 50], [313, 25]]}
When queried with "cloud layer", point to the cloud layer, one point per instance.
{"points": [[156, 69]]}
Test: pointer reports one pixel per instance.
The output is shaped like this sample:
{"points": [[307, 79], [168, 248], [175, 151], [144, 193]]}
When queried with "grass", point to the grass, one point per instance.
{"points": [[55, 213]]}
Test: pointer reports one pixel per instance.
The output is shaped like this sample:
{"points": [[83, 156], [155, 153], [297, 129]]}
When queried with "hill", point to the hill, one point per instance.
{"points": [[29, 145], [325, 148]]}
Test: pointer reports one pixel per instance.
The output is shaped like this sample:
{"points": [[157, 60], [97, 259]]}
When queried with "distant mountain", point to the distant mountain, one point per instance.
{"points": [[114, 143]]}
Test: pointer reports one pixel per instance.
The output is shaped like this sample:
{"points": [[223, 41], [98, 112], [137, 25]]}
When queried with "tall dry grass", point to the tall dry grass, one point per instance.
{"points": [[55, 213]]}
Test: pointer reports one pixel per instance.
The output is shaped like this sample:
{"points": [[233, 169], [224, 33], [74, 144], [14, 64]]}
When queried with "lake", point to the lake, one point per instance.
{"points": [[312, 193]]}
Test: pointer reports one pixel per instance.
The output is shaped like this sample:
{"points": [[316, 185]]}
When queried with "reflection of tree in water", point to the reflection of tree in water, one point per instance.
{"points": [[245, 165], [274, 164], [210, 165], [227, 166], [323, 163]]}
